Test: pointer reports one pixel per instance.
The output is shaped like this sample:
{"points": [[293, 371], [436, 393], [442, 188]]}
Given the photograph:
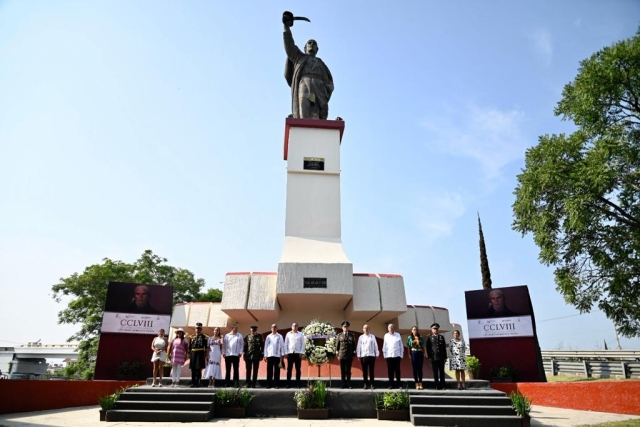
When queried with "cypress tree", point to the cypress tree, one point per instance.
{"points": [[484, 261]]}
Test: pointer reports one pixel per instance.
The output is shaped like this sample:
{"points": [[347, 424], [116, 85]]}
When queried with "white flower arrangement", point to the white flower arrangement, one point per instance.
{"points": [[315, 352]]}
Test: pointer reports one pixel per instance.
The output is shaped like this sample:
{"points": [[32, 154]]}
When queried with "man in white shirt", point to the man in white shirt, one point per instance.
{"points": [[232, 346], [367, 351], [294, 347], [393, 350], [273, 355]]}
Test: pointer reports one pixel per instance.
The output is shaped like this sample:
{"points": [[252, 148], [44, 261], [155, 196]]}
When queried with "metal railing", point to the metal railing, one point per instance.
{"points": [[599, 363]]}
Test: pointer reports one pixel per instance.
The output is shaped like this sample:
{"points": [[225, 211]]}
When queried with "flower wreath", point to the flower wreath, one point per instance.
{"points": [[319, 342]]}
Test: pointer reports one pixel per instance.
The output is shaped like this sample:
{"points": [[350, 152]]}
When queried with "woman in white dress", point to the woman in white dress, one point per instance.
{"points": [[159, 347], [213, 371], [458, 358]]}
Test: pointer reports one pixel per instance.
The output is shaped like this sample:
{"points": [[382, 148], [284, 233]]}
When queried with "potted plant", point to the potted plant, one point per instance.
{"points": [[522, 405], [473, 367], [107, 402], [166, 370], [503, 374], [392, 405], [233, 403], [129, 371], [312, 402]]}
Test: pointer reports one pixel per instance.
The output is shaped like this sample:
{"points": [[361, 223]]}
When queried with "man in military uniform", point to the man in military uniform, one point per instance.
{"points": [[346, 349], [197, 345], [253, 352], [437, 354]]}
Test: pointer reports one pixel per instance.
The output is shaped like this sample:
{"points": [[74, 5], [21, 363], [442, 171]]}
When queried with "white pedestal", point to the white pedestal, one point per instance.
{"points": [[313, 267]]}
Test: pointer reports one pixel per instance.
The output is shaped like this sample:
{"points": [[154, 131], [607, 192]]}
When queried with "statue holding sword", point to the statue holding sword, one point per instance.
{"points": [[309, 78]]}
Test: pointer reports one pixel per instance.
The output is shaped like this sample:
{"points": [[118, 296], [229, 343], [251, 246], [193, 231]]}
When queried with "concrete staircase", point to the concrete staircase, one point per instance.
{"points": [[478, 407], [164, 404]]}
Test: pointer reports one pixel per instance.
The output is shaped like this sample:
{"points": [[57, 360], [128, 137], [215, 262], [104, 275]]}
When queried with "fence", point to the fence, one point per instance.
{"points": [[601, 364]]}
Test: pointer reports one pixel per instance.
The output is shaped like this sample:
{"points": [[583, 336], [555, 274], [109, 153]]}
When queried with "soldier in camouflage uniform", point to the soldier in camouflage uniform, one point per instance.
{"points": [[253, 352], [346, 349]]}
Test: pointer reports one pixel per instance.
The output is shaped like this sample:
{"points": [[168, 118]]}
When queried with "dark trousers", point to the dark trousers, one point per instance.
{"points": [[293, 359], [393, 368], [231, 361], [438, 373], [252, 366], [273, 372], [417, 360], [368, 369], [345, 371], [196, 376], [196, 365]]}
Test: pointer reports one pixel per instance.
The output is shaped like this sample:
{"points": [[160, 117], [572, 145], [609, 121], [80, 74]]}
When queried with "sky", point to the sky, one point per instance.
{"points": [[133, 125]]}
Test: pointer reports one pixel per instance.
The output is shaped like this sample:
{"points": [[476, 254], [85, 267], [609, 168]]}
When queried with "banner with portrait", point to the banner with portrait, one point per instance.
{"points": [[134, 308]]}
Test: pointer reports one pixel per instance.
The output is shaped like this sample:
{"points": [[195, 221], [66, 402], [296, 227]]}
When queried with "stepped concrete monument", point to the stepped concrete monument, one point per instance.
{"points": [[314, 278]]}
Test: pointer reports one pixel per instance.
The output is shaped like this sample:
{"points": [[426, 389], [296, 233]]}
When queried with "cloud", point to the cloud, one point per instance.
{"points": [[436, 215], [490, 136], [542, 45]]}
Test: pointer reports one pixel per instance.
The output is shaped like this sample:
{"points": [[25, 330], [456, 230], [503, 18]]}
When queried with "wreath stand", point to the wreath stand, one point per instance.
{"points": [[317, 366]]}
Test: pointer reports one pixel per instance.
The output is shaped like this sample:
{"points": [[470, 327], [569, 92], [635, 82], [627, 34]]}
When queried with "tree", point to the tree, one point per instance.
{"points": [[484, 261], [212, 295], [580, 194], [89, 291]]}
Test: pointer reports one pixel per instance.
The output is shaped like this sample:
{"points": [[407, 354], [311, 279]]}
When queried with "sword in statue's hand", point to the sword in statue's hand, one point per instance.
{"points": [[288, 19]]}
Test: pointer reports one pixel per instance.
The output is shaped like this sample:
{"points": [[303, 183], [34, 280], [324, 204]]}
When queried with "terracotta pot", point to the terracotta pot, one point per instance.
{"points": [[313, 414], [393, 414]]}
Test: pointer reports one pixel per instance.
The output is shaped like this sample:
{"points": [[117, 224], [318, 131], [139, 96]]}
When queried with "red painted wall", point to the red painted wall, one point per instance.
{"points": [[40, 395], [117, 348], [618, 397]]}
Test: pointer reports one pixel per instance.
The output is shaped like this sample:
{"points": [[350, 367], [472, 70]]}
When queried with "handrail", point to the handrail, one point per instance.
{"points": [[591, 354]]}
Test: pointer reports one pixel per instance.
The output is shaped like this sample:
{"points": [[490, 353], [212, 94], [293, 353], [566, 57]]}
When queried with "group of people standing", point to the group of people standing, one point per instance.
{"points": [[207, 353]]}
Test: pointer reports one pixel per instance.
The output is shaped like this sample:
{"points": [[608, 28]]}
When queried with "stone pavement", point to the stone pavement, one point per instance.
{"points": [[88, 416]]}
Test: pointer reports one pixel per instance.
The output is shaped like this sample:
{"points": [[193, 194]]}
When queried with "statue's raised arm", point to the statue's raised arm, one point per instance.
{"points": [[309, 78]]}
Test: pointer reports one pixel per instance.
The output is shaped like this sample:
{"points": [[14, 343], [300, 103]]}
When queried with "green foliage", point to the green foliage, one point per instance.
{"points": [[579, 195], [88, 291], [234, 398], [315, 397], [520, 403], [484, 261], [212, 295], [392, 400], [108, 401], [506, 371], [132, 370], [473, 363]]}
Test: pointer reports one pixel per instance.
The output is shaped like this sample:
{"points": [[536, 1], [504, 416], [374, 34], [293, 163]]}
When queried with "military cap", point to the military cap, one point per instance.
{"points": [[198, 325], [346, 323], [254, 328], [435, 325]]}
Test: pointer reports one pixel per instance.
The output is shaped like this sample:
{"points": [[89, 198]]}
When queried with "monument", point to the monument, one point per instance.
{"points": [[314, 278]]}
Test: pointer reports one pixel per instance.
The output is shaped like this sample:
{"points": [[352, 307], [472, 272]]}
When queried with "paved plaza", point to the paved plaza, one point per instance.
{"points": [[88, 417]]}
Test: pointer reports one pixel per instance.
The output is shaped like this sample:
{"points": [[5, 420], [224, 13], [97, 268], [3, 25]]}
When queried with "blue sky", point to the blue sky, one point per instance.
{"points": [[127, 126]]}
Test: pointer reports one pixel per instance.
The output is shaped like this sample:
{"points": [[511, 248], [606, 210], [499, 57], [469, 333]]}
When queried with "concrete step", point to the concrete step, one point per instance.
{"points": [[460, 400], [466, 420], [159, 416], [168, 396], [462, 410], [150, 405]]}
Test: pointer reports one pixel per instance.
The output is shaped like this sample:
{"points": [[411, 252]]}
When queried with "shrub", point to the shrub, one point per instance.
{"points": [[315, 397], [234, 398], [392, 400], [520, 403]]}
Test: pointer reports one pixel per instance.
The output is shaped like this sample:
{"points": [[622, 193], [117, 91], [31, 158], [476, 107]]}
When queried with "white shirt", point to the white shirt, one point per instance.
{"points": [[392, 346], [367, 346], [232, 344], [294, 342], [273, 345]]}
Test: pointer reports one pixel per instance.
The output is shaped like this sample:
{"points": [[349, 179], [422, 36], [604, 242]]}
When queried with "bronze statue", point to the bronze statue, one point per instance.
{"points": [[309, 78]]}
